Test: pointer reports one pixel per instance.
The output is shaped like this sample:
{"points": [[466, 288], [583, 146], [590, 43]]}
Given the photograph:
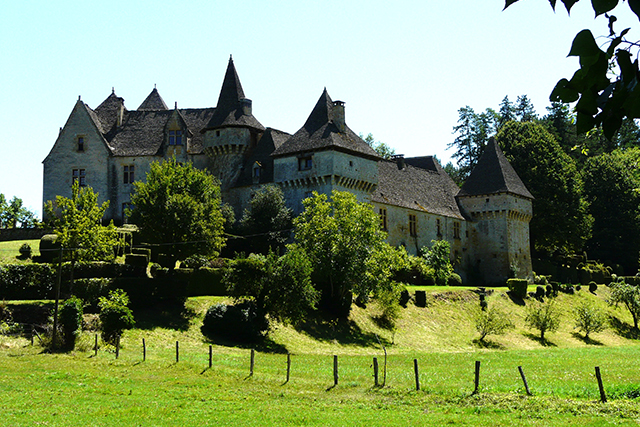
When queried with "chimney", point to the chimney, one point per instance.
{"points": [[338, 115], [246, 106], [399, 158]]}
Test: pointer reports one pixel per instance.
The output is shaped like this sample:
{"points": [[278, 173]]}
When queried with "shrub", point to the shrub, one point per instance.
{"points": [[90, 291], [454, 280], [70, 318], [438, 258], [544, 317], [25, 250], [236, 323], [540, 291], [49, 247], [27, 281], [405, 297], [491, 322], [588, 318], [196, 261], [115, 315], [518, 287], [593, 287], [421, 299]]}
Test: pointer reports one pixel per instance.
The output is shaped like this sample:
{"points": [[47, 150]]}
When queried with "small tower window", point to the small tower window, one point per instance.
{"points": [[305, 163], [217, 133], [80, 176], [413, 225], [175, 137], [383, 218], [81, 144], [128, 174], [456, 230], [438, 227]]}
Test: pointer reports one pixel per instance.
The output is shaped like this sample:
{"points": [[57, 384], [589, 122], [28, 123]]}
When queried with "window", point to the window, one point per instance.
{"points": [[413, 226], [305, 163], [217, 133], [80, 176], [81, 143], [383, 218], [438, 228], [175, 137], [128, 175], [456, 230]]}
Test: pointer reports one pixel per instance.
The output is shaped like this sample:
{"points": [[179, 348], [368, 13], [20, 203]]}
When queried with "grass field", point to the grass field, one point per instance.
{"points": [[80, 389], [9, 251]]}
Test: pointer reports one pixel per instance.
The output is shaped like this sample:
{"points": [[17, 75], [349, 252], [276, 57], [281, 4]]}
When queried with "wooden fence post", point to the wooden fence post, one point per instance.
{"points": [[288, 367], [477, 378], [144, 350], [252, 362], [210, 356], [603, 396], [335, 370], [375, 371], [177, 351], [415, 370], [117, 346], [524, 380], [95, 347]]}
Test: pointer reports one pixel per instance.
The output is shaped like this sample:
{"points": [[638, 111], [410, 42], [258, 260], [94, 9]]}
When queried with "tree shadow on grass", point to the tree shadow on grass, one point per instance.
{"points": [[515, 299], [488, 344], [342, 331], [625, 330], [586, 340], [172, 316], [263, 345], [543, 342]]}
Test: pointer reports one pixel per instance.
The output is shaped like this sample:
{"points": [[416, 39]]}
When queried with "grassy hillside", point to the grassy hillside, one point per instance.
{"points": [[9, 251], [80, 388]]}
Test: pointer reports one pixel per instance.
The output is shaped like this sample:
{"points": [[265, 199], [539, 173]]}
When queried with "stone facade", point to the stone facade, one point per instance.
{"points": [[486, 222]]}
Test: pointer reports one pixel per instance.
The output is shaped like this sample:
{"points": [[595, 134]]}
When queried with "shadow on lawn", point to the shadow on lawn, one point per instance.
{"points": [[625, 330], [342, 331], [488, 344], [543, 342], [586, 340], [263, 345], [170, 316]]}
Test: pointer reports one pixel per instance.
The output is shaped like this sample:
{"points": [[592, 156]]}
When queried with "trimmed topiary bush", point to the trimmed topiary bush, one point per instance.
{"points": [[518, 287], [421, 299], [70, 318], [235, 323], [593, 287], [454, 280], [25, 250], [115, 315], [49, 248]]}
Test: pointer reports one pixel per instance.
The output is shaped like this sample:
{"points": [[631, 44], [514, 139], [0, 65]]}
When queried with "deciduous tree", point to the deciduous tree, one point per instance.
{"points": [[267, 220]]}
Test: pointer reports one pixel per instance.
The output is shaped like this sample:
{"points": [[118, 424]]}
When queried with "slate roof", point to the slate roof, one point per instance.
{"points": [[493, 174], [229, 111], [107, 112], [153, 102], [143, 132], [320, 133], [428, 190], [271, 140]]}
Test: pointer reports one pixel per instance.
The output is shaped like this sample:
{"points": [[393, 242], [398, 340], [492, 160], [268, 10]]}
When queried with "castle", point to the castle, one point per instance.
{"points": [[486, 221]]}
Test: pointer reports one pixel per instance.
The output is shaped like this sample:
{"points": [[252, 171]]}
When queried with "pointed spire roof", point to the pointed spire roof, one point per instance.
{"points": [[321, 133], [153, 102], [494, 174], [233, 108], [109, 109]]}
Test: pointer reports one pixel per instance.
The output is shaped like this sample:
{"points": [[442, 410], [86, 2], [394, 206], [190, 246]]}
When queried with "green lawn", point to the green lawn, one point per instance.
{"points": [[80, 389], [9, 251]]}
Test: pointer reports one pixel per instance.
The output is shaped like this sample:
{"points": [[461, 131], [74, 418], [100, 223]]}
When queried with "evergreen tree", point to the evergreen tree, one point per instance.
{"points": [[524, 110], [506, 113]]}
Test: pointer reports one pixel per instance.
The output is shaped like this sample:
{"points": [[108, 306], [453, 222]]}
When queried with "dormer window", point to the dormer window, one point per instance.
{"points": [[305, 163], [175, 137], [80, 145]]}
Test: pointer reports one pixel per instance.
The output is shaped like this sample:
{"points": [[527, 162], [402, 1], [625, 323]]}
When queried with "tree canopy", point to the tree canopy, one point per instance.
{"points": [[77, 221], [383, 150], [14, 214], [561, 219], [178, 208], [603, 98]]}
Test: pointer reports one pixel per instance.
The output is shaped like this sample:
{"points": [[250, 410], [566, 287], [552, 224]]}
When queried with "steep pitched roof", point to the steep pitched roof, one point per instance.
{"points": [[493, 174], [321, 133], [143, 132], [271, 139], [109, 109], [230, 110], [153, 102], [427, 190]]}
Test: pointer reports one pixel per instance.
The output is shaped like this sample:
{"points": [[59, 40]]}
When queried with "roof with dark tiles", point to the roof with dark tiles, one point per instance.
{"points": [[320, 132], [153, 102], [270, 140], [230, 109], [429, 190], [108, 111], [493, 174]]}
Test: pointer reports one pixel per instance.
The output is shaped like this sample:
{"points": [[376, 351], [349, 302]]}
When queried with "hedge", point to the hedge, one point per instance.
{"points": [[518, 287], [27, 281]]}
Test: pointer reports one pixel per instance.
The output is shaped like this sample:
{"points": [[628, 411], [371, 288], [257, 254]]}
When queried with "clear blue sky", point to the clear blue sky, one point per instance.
{"points": [[404, 68]]}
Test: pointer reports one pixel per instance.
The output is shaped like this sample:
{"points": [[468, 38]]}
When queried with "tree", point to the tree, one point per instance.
{"points": [[14, 213], [491, 322], [589, 319], [340, 237], [524, 110], [473, 131], [383, 150], [178, 207], [77, 221], [561, 220], [545, 317], [115, 315], [601, 100], [267, 220], [438, 258], [629, 296], [506, 113], [611, 183], [70, 318]]}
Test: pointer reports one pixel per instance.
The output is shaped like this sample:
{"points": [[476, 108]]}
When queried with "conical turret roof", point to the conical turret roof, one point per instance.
{"points": [[153, 102], [494, 174], [232, 105]]}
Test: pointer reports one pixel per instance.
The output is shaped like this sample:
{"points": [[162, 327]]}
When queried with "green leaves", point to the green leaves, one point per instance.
{"points": [[603, 6]]}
